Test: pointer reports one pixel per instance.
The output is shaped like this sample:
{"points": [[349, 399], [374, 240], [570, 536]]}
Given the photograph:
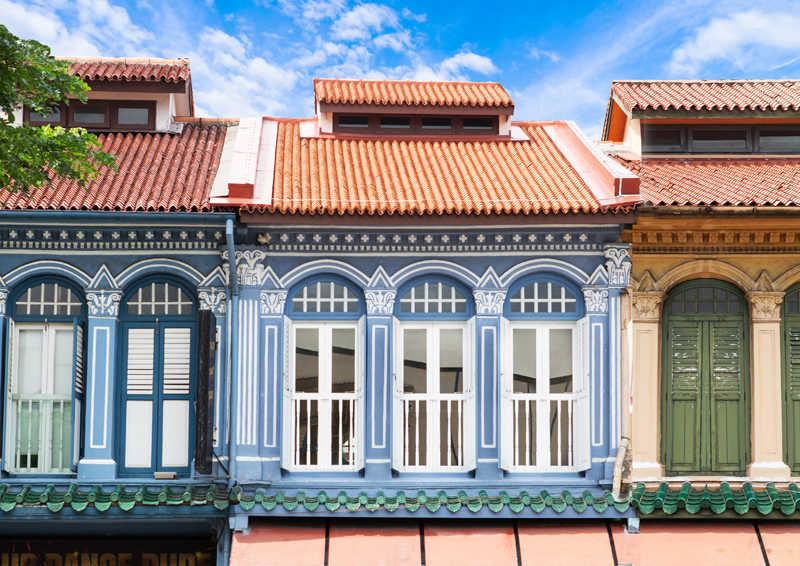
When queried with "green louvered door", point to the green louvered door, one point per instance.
{"points": [[705, 415], [791, 378]]}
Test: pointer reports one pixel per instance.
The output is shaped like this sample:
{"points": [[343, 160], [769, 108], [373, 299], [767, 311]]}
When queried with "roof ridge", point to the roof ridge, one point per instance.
{"points": [[316, 79], [127, 60], [702, 81]]}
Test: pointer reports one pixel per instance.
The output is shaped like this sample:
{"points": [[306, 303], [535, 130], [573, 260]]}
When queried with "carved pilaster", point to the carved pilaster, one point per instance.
{"points": [[596, 300], [647, 305], [273, 302], [765, 306], [213, 299], [380, 301], [103, 302], [3, 299], [618, 264], [489, 301]]}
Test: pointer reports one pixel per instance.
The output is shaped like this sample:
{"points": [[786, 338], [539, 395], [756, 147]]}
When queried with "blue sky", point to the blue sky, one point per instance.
{"points": [[556, 59]]}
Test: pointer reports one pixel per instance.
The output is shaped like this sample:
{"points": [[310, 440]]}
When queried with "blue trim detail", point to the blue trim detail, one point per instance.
{"points": [[465, 291], [38, 279], [322, 278], [546, 277], [47, 268]]}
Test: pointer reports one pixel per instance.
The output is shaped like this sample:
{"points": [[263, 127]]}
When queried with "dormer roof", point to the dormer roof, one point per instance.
{"points": [[455, 95], [129, 69]]}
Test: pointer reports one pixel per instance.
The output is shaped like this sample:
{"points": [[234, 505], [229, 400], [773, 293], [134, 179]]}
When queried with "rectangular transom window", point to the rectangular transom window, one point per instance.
{"points": [[478, 124], [355, 122], [396, 122], [436, 123]]}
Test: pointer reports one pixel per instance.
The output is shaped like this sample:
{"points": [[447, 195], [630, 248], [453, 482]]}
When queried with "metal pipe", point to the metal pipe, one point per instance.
{"points": [[234, 346]]}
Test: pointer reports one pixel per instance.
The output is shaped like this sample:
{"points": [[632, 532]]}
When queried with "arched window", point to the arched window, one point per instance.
{"points": [[545, 393], [433, 415], [705, 379], [324, 427], [45, 378], [159, 340]]}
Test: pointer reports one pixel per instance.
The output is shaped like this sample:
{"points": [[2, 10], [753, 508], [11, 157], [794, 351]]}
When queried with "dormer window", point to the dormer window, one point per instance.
{"points": [[353, 122], [395, 123], [123, 115], [720, 139], [436, 123], [478, 124], [419, 125]]}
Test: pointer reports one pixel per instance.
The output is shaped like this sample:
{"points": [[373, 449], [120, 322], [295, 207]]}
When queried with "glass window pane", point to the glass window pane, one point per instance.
{"points": [[28, 434], [306, 369], [47, 117], [90, 114], [343, 379], [719, 140], [478, 124], [524, 343], [779, 141], [30, 354], [396, 122], [354, 121], [61, 434], [560, 429], [62, 361], [415, 428], [451, 432], [451, 361], [307, 432], [561, 360], [525, 432], [415, 361], [133, 116], [432, 123]]}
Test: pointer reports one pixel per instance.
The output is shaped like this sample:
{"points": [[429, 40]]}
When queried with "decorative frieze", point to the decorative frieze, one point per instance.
{"points": [[647, 306], [765, 306], [108, 238], [380, 301], [273, 302], [712, 241], [103, 302], [596, 300], [213, 299], [489, 301]]}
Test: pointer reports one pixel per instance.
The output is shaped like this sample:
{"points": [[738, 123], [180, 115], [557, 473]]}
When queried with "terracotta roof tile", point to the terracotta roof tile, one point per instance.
{"points": [[411, 93], [332, 175], [727, 182], [160, 172], [709, 95], [127, 69]]}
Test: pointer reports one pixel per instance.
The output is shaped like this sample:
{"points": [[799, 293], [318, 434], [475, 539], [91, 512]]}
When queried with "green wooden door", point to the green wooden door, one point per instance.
{"points": [[791, 378], [705, 415]]}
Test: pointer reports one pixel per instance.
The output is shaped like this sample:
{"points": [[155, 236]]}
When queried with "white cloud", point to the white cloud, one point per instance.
{"points": [[364, 20], [409, 15], [395, 41], [317, 10], [467, 61], [750, 40], [537, 54]]}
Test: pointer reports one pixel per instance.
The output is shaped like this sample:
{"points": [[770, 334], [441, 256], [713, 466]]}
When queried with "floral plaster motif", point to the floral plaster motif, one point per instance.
{"points": [[103, 303], [273, 302], [596, 300], [489, 302], [618, 265], [647, 306], [765, 305], [214, 300], [380, 301]]}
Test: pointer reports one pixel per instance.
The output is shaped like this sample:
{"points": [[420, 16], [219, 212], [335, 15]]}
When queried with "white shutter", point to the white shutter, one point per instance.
{"points": [[141, 347], [288, 388], [470, 428], [177, 360], [581, 414], [10, 354], [506, 353], [77, 394], [360, 410], [397, 389]]}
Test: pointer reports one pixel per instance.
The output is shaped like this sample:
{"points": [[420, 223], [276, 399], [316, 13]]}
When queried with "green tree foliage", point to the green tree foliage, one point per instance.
{"points": [[30, 155]]}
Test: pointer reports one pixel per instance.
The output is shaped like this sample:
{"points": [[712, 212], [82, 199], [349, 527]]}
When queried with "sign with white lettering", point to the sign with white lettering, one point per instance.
{"points": [[107, 552]]}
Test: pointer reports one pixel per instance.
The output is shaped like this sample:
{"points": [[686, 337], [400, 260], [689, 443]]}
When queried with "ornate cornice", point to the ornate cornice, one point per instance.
{"points": [[380, 301], [103, 303], [489, 301], [765, 306], [273, 302], [714, 241], [596, 300], [213, 299], [647, 305]]}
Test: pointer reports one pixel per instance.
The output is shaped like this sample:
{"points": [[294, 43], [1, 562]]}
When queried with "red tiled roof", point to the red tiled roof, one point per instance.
{"points": [[127, 69], [709, 95], [160, 172], [332, 175], [411, 93], [726, 182]]}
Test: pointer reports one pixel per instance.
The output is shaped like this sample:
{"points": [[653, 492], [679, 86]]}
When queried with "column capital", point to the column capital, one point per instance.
{"points": [[489, 301], [618, 264], [103, 303], [596, 300], [765, 306], [212, 299], [273, 302], [3, 300], [250, 268], [647, 305], [380, 301]]}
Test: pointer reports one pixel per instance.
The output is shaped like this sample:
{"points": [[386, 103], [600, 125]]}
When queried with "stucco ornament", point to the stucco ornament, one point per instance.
{"points": [[249, 266], [273, 302], [647, 306], [489, 302], [596, 300], [3, 300], [103, 303], [380, 301], [765, 306], [618, 265], [214, 300]]}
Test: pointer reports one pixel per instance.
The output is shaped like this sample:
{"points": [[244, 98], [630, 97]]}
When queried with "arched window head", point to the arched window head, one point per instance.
{"points": [[152, 299], [543, 297], [325, 297], [705, 299], [433, 298], [48, 299]]}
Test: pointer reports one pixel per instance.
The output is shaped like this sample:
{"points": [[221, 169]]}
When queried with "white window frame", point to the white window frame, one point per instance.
{"points": [[47, 398], [432, 399], [324, 398], [576, 403]]}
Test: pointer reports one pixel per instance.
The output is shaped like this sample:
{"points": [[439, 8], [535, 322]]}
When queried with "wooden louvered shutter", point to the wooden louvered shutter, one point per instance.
{"points": [[139, 404], [682, 403], [793, 393], [77, 394], [729, 430], [176, 403]]}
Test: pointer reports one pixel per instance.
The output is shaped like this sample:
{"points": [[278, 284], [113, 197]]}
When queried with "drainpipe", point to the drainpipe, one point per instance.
{"points": [[234, 342], [625, 423]]}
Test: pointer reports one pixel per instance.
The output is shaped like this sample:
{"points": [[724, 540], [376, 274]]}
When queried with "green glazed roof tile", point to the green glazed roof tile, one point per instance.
{"points": [[668, 500]]}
